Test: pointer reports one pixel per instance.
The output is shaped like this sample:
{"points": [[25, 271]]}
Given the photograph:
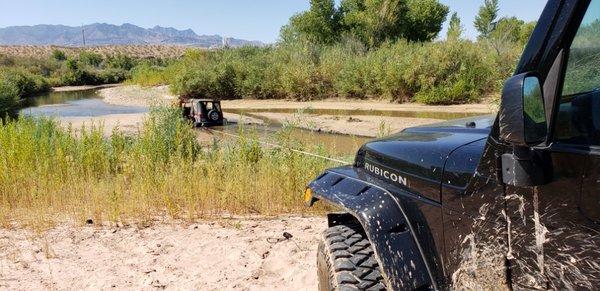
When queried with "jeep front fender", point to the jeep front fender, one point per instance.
{"points": [[385, 223]]}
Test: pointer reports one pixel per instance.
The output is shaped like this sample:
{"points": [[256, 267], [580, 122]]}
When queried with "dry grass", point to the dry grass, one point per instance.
{"points": [[134, 51], [48, 174]]}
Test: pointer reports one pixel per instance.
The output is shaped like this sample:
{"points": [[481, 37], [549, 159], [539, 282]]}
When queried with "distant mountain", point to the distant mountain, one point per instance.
{"points": [[109, 34]]}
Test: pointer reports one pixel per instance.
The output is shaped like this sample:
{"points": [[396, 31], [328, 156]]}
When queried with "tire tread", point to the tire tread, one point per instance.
{"points": [[350, 260]]}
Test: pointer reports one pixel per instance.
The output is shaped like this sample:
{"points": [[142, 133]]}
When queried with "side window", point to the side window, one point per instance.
{"points": [[579, 114]]}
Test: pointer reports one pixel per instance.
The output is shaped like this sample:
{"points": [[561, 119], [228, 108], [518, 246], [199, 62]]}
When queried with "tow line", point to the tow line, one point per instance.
{"points": [[282, 147]]}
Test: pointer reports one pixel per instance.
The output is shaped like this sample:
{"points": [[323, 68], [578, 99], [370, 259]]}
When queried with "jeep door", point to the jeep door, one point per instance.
{"points": [[554, 232]]}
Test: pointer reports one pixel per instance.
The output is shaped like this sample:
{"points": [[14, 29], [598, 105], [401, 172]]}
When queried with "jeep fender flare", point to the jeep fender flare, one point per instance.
{"points": [[385, 223]]}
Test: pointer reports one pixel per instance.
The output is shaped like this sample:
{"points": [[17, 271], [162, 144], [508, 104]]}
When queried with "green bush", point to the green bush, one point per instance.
{"points": [[23, 82], [59, 55], [16, 84], [120, 61], [90, 58], [9, 98], [451, 73], [112, 76]]}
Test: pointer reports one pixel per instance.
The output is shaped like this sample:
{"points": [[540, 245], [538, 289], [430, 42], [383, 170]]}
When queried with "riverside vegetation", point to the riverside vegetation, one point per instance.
{"points": [[49, 174]]}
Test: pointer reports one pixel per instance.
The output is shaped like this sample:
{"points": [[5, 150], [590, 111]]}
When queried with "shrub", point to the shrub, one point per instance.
{"points": [[451, 73], [59, 55], [120, 61], [9, 98], [90, 58], [24, 83], [112, 76]]}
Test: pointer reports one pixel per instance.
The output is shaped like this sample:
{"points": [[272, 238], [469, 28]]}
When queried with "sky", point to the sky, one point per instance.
{"points": [[246, 19]]}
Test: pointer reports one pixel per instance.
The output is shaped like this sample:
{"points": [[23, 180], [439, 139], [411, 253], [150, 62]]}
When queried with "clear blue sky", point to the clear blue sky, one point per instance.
{"points": [[247, 19]]}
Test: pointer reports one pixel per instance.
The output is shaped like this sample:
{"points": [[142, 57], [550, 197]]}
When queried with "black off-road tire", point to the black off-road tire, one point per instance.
{"points": [[346, 261], [213, 116]]}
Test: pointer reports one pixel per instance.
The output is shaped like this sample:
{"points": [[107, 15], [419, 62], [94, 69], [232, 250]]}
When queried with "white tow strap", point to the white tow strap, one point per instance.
{"points": [[282, 147]]}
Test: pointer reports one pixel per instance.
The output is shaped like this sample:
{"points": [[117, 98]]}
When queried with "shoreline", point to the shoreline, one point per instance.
{"points": [[84, 87]]}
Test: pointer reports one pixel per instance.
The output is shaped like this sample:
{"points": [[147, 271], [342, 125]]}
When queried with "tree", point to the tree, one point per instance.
{"points": [[510, 31], [507, 29], [376, 21], [455, 28], [526, 32], [486, 18], [370, 21], [424, 19], [317, 25], [373, 21]]}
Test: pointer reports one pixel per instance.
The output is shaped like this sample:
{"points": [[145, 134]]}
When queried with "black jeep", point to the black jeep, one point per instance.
{"points": [[501, 202], [203, 112]]}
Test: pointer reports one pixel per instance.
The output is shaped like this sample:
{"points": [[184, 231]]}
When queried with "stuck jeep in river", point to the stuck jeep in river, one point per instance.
{"points": [[499, 202], [203, 112]]}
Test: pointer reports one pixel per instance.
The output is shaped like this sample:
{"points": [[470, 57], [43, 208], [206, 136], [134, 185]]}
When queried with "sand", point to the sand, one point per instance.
{"points": [[369, 126], [134, 95], [244, 254]]}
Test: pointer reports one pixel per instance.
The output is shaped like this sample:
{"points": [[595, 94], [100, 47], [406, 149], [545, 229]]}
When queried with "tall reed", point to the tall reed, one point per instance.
{"points": [[48, 174]]}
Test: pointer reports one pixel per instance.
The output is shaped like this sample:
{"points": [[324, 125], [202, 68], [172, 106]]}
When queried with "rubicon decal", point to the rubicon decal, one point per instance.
{"points": [[386, 174]]}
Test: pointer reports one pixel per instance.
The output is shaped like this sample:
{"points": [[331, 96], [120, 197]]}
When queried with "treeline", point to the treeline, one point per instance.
{"points": [[359, 49]]}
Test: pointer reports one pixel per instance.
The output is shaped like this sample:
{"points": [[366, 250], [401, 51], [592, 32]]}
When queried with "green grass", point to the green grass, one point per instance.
{"points": [[48, 174]]}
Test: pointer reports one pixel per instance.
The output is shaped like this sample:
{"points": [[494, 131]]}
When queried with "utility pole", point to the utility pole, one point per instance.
{"points": [[83, 34]]}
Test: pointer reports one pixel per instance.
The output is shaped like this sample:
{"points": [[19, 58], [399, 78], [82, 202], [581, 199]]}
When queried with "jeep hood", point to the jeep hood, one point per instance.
{"points": [[414, 159]]}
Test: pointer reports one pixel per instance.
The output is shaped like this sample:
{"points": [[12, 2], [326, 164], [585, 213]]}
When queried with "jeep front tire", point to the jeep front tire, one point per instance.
{"points": [[346, 261]]}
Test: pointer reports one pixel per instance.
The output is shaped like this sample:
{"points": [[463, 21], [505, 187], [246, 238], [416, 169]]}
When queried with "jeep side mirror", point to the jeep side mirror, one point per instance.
{"points": [[522, 113], [523, 124]]}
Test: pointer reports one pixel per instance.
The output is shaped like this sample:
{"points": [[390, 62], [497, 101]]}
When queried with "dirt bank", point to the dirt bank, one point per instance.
{"points": [[134, 95], [245, 254]]}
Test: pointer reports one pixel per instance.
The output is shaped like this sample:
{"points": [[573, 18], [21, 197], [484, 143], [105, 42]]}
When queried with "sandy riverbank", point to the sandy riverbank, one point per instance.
{"points": [[369, 126], [85, 87], [245, 254]]}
